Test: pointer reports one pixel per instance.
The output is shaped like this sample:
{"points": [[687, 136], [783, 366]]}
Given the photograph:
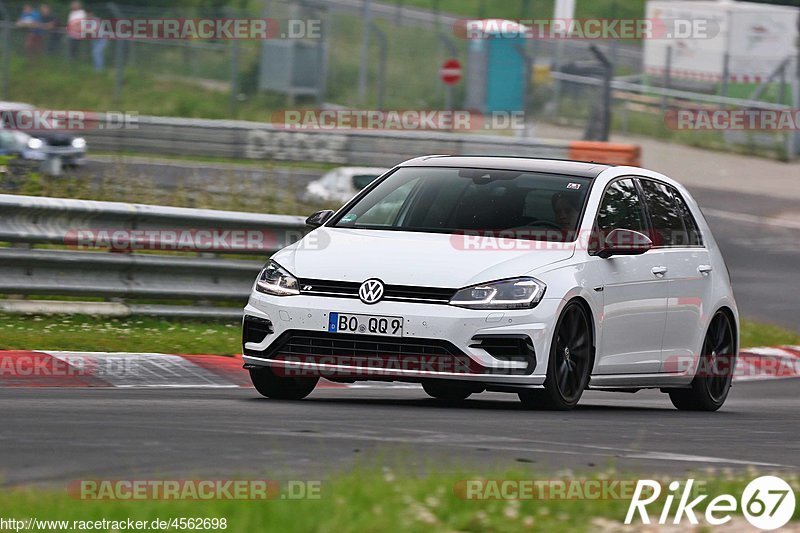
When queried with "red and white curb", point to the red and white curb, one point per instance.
{"points": [[25, 368]]}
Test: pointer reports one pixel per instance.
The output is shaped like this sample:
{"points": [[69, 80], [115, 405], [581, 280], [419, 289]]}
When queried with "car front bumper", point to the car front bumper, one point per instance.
{"points": [[458, 327], [68, 154]]}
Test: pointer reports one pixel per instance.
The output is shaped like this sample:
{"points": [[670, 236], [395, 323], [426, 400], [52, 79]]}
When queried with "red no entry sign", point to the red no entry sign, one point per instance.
{"points": [[450, 72]]}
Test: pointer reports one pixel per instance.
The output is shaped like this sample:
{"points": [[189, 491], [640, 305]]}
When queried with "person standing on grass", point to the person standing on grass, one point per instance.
{"points": [[98, 49], [48, 25], [31, 19], [74, 22]]}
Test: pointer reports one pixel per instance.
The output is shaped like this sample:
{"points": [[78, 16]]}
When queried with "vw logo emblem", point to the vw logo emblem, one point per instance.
{"points": [[371, 291]]}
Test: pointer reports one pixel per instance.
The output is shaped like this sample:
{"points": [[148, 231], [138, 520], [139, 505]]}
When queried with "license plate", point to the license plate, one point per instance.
{"points": [[390, 326]]}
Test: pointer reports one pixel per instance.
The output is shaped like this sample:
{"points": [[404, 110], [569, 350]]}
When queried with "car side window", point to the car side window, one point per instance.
{"points": [[666, 218], [620, 208], [694, 237]]}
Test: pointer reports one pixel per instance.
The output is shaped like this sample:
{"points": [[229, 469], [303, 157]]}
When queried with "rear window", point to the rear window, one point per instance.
{"points": [[450, 200]]}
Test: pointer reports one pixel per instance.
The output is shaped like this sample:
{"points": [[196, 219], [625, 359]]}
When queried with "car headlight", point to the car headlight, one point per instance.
{"points": [[34, 143], [79, 143], [516, 293], [276, 280]]}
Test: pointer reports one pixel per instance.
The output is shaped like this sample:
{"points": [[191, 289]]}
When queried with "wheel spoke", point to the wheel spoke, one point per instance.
{"points": [[576, 380], [579, 343], [721, 331], [562, 378], [573, 326], [560, 344]]}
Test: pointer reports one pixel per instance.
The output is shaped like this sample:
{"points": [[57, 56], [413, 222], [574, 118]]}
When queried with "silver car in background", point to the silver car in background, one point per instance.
{"points": [[49, 151], [341, 184]]}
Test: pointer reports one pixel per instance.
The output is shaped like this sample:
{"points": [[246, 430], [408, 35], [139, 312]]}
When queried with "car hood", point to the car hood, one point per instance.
{"points": [[412, 258], [53, 137]]}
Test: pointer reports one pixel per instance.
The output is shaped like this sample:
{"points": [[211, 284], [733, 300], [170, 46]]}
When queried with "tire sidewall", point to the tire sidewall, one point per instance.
{"points": [[552, 393]]}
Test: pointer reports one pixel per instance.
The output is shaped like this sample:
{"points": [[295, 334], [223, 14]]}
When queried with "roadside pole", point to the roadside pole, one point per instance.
{"points": [[366, 20], [6, 47]]}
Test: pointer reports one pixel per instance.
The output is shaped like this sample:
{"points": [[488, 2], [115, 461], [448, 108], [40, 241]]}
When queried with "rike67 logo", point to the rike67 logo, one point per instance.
{"points": [[767, 502]]}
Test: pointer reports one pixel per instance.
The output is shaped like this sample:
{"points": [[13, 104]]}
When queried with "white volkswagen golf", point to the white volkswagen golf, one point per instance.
{"points": [[532, 276]]}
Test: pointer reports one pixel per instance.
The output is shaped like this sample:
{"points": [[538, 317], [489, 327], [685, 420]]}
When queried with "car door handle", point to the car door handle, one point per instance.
{"points": [[659, 270], [705, 269]]}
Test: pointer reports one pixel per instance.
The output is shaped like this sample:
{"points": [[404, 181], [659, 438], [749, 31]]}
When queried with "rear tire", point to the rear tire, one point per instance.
{"points": [[569, 365], [712, 382], [268, 384], [447, 390]]}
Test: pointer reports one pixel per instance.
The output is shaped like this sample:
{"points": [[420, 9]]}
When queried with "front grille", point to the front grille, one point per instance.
{"points": [[370, 352], [59, 140], [394, 293]]}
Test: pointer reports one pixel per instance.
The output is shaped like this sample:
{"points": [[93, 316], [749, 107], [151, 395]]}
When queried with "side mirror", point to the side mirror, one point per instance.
{"points": [[624, 242], [319, 218]]}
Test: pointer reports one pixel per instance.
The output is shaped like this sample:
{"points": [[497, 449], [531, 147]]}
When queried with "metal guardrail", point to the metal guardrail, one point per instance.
{"points": [[257, 140], [136, 265], [33, 219]]}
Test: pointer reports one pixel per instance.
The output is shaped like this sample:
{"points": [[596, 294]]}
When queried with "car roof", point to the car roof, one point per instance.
{"points": [[366, 170], [526, 164]]}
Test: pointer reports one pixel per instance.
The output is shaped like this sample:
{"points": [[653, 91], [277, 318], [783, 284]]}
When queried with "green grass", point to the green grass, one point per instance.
{"points": [[144, 92], [142, 334], [758, 334], [375, 499], [119, 182], [145, 334]]}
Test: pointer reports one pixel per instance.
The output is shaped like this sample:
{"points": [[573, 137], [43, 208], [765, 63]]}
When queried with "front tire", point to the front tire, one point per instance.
{"points": [[712, 382], [268, 384], [569, 365]]}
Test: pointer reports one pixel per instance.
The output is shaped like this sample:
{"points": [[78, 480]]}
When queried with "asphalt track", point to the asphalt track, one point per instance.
{"points": [[50, 436]]}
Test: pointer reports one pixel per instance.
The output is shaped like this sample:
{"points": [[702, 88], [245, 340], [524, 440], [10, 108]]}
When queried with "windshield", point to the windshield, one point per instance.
{"points": [[525, 205], [362, 180]]}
